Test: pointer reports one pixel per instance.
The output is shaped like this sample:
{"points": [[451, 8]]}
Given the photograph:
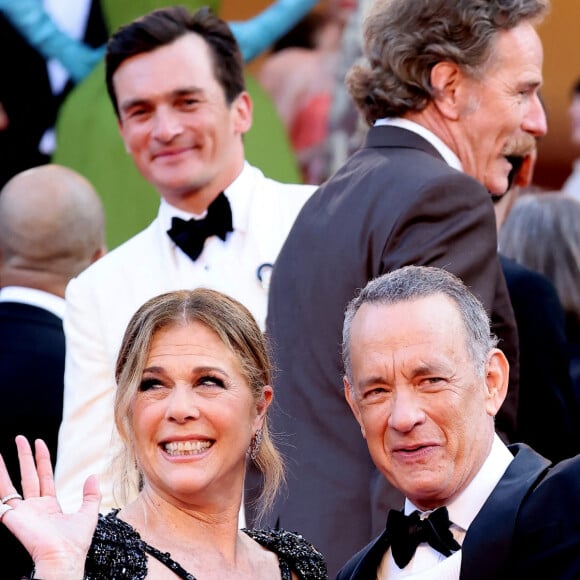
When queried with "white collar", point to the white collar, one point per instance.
{"points": [[465, 507], [448, 155], [237, 194], [51, 302]]}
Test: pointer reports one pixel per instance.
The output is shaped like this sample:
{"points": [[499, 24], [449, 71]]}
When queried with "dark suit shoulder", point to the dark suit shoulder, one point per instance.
{"points": [[395, 165], [17, 311], [547, 535], [521, 279], [557, 491], [32, 353], [547, 395], [393, 199]]}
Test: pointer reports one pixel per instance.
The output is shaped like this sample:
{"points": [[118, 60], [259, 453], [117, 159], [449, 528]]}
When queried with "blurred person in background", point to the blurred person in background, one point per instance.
{"points": [[51, 228], [541, 232], [572, 183]]}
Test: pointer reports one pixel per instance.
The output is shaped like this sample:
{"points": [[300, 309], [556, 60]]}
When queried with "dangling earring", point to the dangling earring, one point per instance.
{"points": [[255, 444]]}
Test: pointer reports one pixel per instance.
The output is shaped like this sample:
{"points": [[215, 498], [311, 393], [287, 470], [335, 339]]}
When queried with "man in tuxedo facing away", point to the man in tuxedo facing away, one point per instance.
{"points": [[446, 88], [425, 381], [51, 228]]}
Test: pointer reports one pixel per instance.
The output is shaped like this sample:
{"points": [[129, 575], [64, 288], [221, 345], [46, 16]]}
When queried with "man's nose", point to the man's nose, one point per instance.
{"points": [[535, 121], [406, 410], [167, 124]]}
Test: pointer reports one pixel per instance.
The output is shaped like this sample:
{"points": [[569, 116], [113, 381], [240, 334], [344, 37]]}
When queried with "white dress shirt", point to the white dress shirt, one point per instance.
{"points": [[428, 563], [33, 297], [102, 299], [448, 155]]}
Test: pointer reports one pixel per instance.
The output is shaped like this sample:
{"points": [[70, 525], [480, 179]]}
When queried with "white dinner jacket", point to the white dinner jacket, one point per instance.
{"points": [[102, 299]]}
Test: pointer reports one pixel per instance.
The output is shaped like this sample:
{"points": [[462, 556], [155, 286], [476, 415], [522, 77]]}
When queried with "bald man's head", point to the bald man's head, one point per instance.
{"points": [[51, 228]]}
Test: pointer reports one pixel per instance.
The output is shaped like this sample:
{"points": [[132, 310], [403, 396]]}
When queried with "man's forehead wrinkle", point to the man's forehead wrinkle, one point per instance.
{"points": [[418, 366], [403, 360]]}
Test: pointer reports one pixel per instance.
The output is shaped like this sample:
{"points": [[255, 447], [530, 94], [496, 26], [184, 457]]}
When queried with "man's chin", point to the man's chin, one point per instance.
{"points": [[499, 185], [496, 192]]}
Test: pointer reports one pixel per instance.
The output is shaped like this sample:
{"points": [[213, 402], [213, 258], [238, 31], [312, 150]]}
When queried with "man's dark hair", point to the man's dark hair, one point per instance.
{"points": [[164, 26]]}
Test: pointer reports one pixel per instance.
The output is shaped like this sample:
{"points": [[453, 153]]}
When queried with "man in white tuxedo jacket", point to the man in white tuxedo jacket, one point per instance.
{"points": [[184, 131]]}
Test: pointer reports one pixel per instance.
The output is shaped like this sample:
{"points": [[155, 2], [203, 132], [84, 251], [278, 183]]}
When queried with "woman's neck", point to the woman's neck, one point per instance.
{"points": [[168, 523], [206, 542]]}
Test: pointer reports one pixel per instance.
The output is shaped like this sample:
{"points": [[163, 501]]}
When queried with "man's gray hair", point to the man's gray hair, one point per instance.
{"points": [[413, 283], [405, 39]]}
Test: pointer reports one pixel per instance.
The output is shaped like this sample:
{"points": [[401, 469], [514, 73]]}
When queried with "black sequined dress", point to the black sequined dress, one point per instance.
{"points": [[118, 553]]}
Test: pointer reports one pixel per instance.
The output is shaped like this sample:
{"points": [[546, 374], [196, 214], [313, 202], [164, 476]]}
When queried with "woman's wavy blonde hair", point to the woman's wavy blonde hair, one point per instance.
{"points": [[237, 329]]}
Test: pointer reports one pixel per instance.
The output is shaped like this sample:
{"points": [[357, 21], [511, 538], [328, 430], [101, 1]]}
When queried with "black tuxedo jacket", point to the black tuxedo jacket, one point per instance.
{"points": [[32, 350], [32, 353], [546, 394], [529, 526], [394, 203]]}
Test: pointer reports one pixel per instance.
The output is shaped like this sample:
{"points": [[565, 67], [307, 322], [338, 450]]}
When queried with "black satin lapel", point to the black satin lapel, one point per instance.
{"points": [[487, 544], [369, 563]]}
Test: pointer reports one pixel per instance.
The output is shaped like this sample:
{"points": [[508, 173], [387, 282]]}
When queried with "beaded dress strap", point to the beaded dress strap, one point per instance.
{"points": [[166, 559]]}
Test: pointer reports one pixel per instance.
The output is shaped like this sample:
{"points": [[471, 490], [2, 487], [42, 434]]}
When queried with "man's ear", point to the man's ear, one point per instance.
{"points": [[497, 371], [242, 109], [448, 82], [349, 395]]}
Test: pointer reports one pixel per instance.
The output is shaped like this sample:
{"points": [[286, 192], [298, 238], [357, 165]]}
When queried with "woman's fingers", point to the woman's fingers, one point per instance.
{"points": [[36, 474], [91, 497], [44, 468], [28, 473]]}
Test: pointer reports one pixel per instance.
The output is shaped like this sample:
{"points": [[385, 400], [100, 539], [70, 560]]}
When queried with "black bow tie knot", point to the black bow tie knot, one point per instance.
{"points": [[190, 235], [407, 532]]}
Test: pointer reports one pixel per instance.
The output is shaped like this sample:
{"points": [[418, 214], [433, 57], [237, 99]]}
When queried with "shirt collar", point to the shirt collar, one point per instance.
{"points": [[448, 155], [33, 297], [463, 509], [236, 193]]}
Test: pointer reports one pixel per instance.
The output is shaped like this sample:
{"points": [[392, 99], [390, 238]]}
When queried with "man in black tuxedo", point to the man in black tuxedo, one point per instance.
{"points": [[425, 381], [445, 99], [51, 228]]}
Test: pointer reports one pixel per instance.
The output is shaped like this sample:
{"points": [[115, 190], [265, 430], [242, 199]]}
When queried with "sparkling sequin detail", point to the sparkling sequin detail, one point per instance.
{"points": [[294, 553], [118, 553]]}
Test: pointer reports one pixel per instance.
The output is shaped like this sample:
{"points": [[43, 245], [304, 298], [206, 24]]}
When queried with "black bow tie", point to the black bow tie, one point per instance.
{"points": [[407, 532], [190, 235]]}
